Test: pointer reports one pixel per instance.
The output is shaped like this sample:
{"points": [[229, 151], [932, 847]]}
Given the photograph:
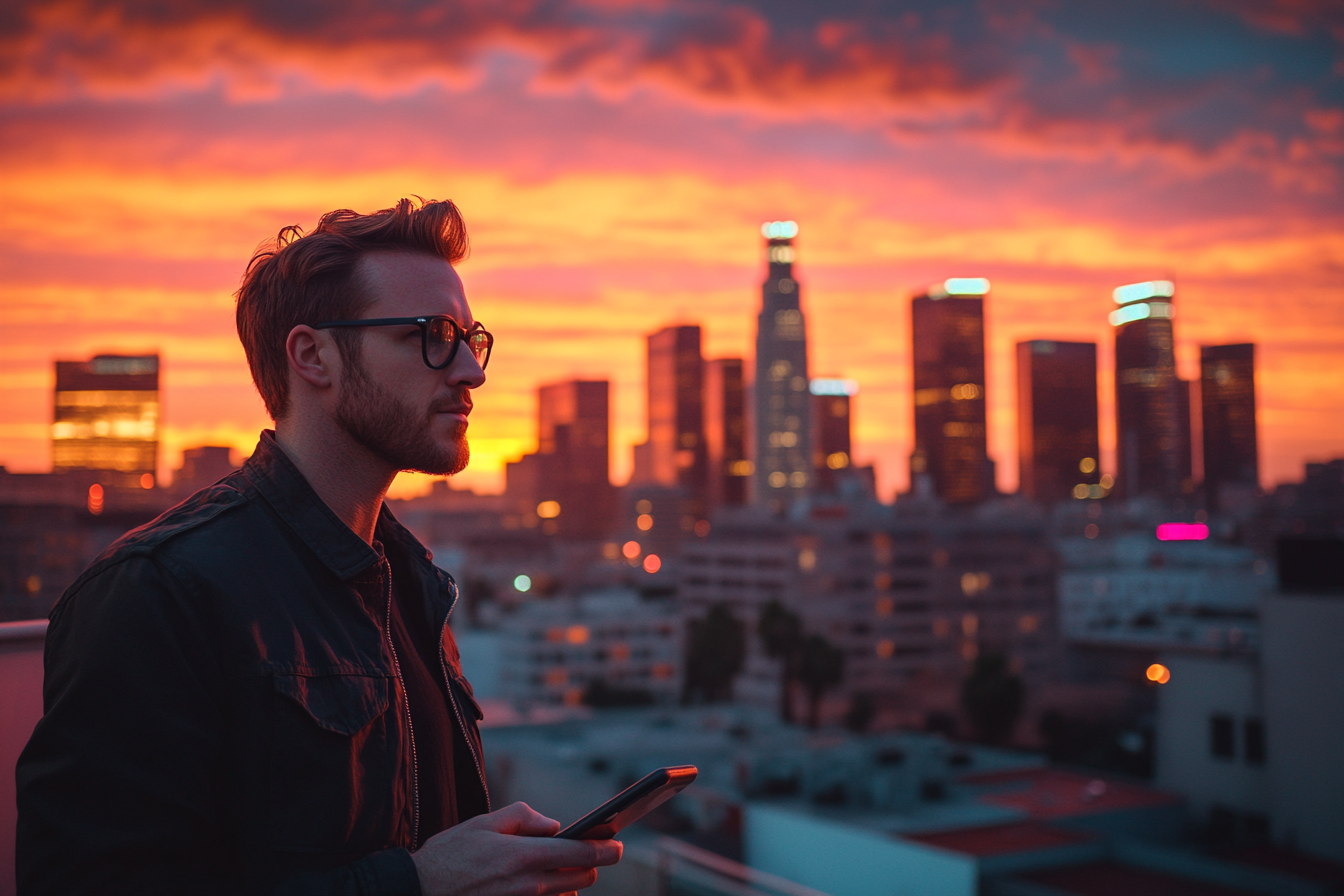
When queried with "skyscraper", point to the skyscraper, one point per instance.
{"points": [[676, 446], [1227, 389], [1058, 452], [782, 408], [573, 487], [726, 433], [1147, 406], [948, 330], [107, 418], [1186, 398], [831, 450]]}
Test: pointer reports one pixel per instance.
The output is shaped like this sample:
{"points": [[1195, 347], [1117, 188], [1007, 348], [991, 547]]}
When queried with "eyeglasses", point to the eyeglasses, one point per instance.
{"points": [[439, 337]]}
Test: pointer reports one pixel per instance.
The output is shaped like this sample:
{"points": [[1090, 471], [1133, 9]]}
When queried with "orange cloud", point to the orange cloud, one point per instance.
{"points": [[1020, 82]]}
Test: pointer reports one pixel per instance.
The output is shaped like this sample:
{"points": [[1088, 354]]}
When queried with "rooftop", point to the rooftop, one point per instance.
{"points": [[1048, 793], [1108, 878], [1002, 839]]}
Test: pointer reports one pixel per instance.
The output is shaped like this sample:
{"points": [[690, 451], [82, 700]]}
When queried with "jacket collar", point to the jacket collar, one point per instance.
{"points": [[274, 476]]}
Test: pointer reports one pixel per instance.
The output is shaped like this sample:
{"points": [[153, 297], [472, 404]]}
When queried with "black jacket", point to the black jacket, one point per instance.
{"points": [[223, 715]]}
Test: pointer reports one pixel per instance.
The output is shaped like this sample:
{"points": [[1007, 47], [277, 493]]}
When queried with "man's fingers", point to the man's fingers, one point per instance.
{"points": [[551, 854], [568, 880], [520, 819]]}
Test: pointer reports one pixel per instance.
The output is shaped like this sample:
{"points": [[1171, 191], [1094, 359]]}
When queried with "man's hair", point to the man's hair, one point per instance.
{"points": [[297, 279]]}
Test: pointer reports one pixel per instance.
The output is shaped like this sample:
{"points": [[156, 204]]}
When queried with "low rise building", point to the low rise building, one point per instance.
{"points": [[1253, 739], [609, 647]]}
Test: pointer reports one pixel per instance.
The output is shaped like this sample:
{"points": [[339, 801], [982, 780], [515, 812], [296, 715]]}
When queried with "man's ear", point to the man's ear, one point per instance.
{"points": [[312, 356]]}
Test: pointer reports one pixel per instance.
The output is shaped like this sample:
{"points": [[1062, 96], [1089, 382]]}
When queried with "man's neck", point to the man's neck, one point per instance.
{"points": [[345, 475]]}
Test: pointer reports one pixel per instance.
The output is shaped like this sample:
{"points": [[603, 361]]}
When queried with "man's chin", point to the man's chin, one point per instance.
{"points": [[452, 461]]}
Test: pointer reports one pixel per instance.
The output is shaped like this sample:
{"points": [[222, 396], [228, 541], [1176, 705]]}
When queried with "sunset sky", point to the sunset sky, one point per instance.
{"points": [[614, 160]]}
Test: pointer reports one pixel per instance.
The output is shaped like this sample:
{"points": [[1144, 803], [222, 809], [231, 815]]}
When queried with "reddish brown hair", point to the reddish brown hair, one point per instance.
{"points": [[297, 279]]}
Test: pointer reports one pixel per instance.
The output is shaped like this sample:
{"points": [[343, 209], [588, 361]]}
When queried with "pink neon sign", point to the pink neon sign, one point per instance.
{"points": [[1182, 532]]}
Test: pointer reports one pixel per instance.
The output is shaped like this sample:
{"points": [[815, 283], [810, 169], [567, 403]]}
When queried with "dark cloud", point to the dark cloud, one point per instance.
{"points": [[1240, 83]]}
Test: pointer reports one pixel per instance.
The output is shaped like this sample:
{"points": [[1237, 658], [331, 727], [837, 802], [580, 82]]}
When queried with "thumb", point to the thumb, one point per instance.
{"points": [[522, 820]]}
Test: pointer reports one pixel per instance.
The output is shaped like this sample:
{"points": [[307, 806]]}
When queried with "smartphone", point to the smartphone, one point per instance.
{"points": [[631, 804]]}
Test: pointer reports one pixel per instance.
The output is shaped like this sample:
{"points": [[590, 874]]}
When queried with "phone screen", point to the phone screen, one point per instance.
{"points": [[631, 804]]}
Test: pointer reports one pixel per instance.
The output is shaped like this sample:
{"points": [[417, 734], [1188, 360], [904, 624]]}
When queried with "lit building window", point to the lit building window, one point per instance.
{"points": [[965, 392], [973, 583]]}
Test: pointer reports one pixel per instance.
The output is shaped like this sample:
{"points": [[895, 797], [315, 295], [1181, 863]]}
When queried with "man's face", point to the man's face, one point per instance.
{"points": [[410, 416]]}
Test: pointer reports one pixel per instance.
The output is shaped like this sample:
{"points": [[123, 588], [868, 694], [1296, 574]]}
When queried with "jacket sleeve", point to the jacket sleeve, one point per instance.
{"points": [[119, 788]]}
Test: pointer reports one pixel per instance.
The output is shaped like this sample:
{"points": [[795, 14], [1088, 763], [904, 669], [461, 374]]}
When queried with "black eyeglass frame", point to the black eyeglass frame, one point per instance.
{"points": [[423, 323]]}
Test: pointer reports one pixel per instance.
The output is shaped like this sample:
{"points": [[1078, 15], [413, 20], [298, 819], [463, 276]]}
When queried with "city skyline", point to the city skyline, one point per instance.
{"points": [[696, 404], [613, 168], [682, 383]]}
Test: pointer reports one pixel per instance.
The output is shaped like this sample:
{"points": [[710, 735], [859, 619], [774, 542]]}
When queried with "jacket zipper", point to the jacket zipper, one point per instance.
{"points": [[452, 698], [410, 727]]}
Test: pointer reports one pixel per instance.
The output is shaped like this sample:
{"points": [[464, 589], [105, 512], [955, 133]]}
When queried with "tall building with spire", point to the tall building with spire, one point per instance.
{"points": [[948, 332], [782, 403], [1151, 436]]}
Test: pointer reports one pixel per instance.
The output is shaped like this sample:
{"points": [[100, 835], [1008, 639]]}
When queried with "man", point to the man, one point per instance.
{"points": [[258, 691]]}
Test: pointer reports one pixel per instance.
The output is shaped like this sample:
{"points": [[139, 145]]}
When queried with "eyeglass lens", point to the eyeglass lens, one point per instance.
{"points": [[441, 339]]}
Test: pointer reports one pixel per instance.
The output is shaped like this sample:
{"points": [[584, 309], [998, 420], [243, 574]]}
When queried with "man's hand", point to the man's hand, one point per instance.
{"points": [[509, 852]]}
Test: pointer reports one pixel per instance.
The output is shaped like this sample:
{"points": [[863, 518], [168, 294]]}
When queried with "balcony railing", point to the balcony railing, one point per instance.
{"points": [[669, 867], [20, 708]]}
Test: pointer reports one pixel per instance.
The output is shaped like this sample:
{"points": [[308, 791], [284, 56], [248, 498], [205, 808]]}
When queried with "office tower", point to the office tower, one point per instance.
{"points": [[676, 446], [831, 450], [573, 488], [1148, 431], [1227, 397], [1057, 448], [726, 433], [1187, 397], [782, 408], [202, 467], [107, 418], [948, 329]]}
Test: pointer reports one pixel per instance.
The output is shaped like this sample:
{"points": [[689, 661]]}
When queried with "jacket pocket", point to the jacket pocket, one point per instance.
{"points": [[334, 764]]}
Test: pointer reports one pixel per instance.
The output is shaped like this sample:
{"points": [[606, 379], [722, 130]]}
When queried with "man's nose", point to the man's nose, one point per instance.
{"points": [[466, 370]]}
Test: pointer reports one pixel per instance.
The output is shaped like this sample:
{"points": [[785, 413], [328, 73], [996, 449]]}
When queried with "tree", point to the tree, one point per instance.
{"points": [[821, 666], [477, 592], [861, 713], [992, 698], [716, 649], [781, 634]]}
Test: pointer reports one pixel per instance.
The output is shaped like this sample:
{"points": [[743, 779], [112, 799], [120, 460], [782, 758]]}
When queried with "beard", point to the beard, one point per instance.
{"points": [[393, 431]]}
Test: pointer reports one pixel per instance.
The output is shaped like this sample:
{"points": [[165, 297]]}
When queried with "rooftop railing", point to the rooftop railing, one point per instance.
{"points": [[20, 708]]}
